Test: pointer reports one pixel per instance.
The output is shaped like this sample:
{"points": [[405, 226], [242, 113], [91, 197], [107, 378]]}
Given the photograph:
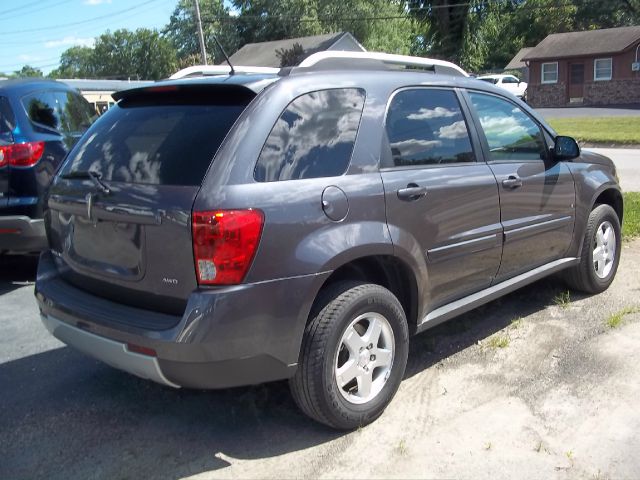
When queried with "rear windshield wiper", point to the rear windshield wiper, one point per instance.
{"points": [[89, 175]]}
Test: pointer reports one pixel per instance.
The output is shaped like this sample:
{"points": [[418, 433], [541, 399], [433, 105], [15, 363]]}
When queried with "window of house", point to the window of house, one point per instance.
{"points": [[426, 127], [550, 72], [602, 69]]}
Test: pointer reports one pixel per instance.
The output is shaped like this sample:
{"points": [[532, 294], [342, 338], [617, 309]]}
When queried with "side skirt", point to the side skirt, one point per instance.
{"points": [[487, 295]]}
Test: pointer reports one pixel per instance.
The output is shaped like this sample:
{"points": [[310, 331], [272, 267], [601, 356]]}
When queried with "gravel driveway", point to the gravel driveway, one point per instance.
{"points": [[521, 388]]}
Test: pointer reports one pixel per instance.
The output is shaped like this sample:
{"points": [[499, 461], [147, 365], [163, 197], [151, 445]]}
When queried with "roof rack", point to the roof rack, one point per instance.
{"points": [[377, 60], [204, 70]]}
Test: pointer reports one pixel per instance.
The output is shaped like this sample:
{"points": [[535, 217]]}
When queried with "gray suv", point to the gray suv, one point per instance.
{"points": [[239, 228]]}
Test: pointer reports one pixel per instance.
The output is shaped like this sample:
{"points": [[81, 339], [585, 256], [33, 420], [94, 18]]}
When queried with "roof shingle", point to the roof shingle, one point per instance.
{"points": [[590, 42]]}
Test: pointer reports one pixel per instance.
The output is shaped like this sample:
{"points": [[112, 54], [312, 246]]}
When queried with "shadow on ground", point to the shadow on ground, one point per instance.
{"points": [[64, 415], [16, 271]]}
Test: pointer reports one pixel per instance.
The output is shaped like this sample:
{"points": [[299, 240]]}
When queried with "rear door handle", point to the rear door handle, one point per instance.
{"points": [[512, 182], [412, 192]]}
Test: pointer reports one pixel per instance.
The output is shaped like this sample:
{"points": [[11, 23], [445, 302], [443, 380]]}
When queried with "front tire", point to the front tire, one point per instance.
{"points": [[600, 252], [353, 357]]}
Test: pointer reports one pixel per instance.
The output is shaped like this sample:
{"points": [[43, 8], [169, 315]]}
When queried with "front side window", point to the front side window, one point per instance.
{"points": [[602, 69], [550, 72], [314, 136], [426, 127], [510, 80], [511, 134]]}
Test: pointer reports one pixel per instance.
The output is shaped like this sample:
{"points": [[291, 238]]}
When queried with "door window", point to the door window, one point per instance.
{"points": [[426, 127], [510, 80], [511, 134]]}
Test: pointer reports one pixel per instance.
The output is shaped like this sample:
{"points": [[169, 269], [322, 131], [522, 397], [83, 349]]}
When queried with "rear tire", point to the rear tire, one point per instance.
{"points": [[600, 252], [353, 357]]}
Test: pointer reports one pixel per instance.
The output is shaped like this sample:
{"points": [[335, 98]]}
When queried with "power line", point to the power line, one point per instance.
{"points": [[90, 20]]}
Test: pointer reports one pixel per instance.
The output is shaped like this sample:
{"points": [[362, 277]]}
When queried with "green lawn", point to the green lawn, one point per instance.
{"points": [[631, 221], [619, 130]]}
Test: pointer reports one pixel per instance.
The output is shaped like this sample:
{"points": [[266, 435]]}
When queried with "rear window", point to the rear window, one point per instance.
{"points": [[158, 144], [7, 120]]}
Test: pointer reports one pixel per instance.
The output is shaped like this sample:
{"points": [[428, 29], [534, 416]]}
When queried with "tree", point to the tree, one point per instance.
{"points": [[182, 31], [378, 24], [28, 71], [75, 62]]}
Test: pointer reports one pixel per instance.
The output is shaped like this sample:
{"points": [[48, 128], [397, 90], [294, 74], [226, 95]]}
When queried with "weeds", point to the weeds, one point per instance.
{"points": [[615, 319], [499, 341], [563, 299]]}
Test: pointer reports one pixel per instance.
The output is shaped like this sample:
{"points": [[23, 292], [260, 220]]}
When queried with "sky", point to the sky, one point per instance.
{"points": [[36, 32]]}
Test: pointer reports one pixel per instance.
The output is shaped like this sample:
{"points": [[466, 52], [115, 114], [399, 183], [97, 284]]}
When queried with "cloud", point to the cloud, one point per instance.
{"points": [[29, 58], [70, 41], [95, 2], [408, 148], [427, 113], [453, 131]]}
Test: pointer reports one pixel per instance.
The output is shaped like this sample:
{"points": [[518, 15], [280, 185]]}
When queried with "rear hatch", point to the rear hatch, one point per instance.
{"points": [[7, 125], [120, 208]]}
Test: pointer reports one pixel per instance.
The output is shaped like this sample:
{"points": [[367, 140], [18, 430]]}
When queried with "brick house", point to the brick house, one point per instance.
{"points": [[595, 67]]}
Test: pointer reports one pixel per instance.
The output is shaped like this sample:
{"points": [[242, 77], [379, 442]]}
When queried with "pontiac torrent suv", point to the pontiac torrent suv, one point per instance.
{"points": [[239, 228]]}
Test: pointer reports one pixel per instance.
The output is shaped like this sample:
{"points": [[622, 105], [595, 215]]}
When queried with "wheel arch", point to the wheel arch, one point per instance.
{"points": [[612, 197], [389, 272]]}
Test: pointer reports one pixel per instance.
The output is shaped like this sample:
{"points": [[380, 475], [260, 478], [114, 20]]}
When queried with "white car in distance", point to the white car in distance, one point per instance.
{"points": [[508, 82]]}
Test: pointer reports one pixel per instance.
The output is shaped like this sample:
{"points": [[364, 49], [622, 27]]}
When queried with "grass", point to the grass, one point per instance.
{"points": [[619, 130], [499, 341], [563, 299], [631, 222], [615, 319]]}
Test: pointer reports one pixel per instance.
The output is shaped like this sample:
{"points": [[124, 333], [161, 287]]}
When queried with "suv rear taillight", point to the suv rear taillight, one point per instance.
{"points": [[224, 243], [21, 154]]}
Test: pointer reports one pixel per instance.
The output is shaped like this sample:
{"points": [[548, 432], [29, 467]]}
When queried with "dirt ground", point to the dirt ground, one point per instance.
{"points": [[535, 385]]}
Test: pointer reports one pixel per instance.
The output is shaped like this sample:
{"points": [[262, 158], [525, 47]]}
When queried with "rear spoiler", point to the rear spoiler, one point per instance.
{"points": [[188, 92]]}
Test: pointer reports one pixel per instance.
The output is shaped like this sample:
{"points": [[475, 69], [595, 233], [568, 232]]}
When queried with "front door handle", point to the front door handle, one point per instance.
{"points": [[412, 192], [512, 182]]}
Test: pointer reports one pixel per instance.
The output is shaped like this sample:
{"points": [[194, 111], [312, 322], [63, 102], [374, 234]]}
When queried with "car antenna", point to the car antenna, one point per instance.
{"points": [[224, 54]]}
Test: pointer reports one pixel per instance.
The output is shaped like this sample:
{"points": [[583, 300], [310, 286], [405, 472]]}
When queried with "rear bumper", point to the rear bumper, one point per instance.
{"points": [[231, 336], [21, 234], [110, 352]]}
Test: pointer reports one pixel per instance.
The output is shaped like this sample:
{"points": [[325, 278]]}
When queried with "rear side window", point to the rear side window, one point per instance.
{"points": [[7, 120], [41, 109], [313, 137], [426, 127], [154, 143]]}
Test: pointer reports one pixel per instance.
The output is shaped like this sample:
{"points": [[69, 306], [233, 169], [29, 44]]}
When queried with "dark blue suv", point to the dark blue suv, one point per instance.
{"points": [[39, 121]]}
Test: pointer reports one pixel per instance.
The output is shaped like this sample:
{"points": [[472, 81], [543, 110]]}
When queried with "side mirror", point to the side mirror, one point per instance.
{"points": [[565, 148]]}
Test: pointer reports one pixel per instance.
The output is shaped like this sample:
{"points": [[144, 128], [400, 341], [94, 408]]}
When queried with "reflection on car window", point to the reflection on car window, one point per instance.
{"points": [[41, 109], [511, 133], [154, 144], [73, 111], [313, 137], [426, 127]]}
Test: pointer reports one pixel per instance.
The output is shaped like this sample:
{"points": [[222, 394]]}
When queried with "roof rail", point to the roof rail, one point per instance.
{"points": [[204, 70], [342, 59]]}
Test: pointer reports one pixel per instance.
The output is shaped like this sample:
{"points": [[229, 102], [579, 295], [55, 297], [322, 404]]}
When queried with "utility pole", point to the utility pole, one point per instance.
{"points": [[200, 34]]}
